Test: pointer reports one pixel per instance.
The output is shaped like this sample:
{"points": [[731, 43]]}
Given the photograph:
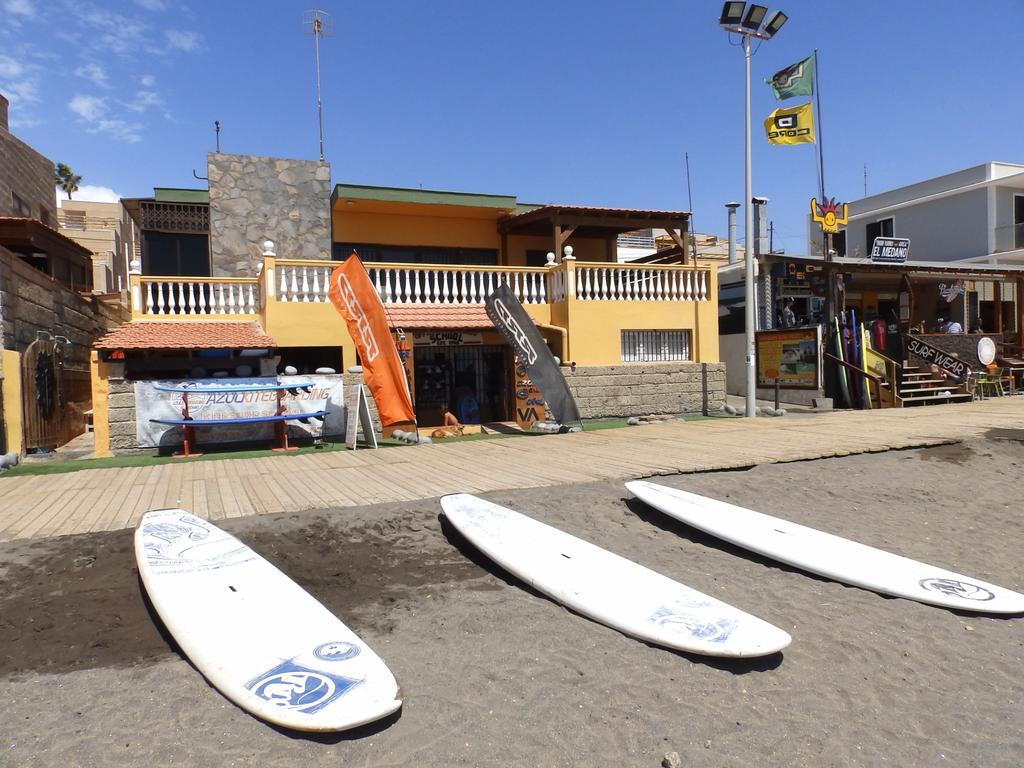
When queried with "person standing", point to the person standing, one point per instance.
{"points": [[788, 315]]}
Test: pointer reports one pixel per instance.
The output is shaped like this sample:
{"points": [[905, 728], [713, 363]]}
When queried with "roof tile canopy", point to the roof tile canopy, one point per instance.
{"points": [[156, 335], [425, 316]]}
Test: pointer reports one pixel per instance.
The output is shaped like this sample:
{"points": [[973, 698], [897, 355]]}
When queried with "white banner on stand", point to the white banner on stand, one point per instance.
{"points": [[325, 394]]}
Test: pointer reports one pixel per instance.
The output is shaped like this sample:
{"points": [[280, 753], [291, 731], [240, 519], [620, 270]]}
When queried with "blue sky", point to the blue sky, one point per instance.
{"points": [[566, 102]]}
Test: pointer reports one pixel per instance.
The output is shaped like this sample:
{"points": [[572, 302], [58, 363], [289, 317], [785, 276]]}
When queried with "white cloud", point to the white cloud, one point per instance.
{"points": [[90, 193], [113, 32], [10, 68], [183, 40], [144, 100], [147, 81], [18, 82], [151, 5], [94, 73], [88, 107], [22, 8], [94, 111]]}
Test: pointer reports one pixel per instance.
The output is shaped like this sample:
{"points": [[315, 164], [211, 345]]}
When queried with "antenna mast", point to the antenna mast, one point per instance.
{"points": [[318, 24]]}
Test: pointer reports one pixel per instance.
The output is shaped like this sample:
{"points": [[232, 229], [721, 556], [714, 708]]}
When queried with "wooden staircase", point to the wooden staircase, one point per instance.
{"points": [[921, 387]]}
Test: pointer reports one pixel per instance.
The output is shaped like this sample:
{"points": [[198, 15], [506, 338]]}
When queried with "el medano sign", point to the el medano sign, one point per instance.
{"points": [[890, 250]]}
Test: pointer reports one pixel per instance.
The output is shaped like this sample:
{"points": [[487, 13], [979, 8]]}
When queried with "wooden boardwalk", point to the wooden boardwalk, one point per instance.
{"points": [[110, 499]]}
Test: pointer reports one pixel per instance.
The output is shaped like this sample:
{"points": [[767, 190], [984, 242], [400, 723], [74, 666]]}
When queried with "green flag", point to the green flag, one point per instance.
{"points": [[794, 80]]}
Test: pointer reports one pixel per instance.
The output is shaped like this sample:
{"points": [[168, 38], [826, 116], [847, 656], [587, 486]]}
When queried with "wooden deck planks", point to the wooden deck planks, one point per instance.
{"points": [[108, 499]]}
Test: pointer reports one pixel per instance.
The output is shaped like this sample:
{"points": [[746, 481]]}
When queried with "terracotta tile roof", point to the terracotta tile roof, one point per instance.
{"points": [[428, 316], [185, 335]]}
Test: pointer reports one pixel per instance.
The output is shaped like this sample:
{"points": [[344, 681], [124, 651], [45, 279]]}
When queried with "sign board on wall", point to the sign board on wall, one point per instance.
{"points": [[357, 415], [788, 356], [890, 250], [326, 394], [936, 356], [447, 339]]}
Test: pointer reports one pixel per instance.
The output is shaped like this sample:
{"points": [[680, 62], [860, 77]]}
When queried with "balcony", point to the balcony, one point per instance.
{"points": [[1009, 238], [293, 281]]}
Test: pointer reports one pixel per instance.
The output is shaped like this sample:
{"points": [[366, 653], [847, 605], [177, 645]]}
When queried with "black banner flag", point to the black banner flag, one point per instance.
{"points": [[515, 325]]}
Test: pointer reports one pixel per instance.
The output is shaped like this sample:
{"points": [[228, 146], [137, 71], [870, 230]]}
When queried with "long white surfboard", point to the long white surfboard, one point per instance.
{"points": [[255, 634], [608, 588], [828, 555]]}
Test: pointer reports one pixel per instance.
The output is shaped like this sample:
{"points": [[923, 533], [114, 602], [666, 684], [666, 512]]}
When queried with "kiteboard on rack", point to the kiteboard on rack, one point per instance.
{"points": [[256, 635], [828, 555], [608, 588]]}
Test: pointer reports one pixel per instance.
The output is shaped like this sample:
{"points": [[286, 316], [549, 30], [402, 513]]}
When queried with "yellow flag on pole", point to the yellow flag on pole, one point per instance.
{"points": [[792, 125]]}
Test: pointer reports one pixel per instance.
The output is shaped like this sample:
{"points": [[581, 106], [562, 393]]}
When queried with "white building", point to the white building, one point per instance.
{"points": [[975, 215]]}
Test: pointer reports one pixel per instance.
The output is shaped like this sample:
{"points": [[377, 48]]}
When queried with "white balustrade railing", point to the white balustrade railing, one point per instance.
{"points": [[303, 282], [452, 285], [625, 283], [296, 281], [197, 297]]}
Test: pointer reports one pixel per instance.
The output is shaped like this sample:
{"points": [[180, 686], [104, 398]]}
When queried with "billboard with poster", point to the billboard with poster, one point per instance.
{"points": [[789, 356]]}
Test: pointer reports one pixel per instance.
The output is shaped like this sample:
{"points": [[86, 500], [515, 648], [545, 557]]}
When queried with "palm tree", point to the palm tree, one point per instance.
{"points": [[65, 178]]}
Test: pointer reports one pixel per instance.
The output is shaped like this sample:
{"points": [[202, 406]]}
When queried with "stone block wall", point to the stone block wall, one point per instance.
{"points": [[639, 389], [121, 404], [26, 173], [253, 198], [32, 301], [961, 345]]}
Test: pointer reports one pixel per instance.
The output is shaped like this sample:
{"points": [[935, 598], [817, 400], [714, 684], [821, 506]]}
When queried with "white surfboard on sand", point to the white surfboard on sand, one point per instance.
{"points": [[256, 635], [828, 555], [607, 588]]}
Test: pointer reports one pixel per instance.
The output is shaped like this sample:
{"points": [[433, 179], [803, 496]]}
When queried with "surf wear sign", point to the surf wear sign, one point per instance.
{"points": [[936, 356], [356, 300], [515, 325]]}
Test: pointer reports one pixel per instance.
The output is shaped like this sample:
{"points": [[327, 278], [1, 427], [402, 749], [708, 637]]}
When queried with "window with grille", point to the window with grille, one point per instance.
{"points": [[655, 346]]}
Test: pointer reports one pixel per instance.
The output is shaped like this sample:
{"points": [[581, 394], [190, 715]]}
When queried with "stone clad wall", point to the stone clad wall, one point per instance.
{"points": [[253, 198], [28, 174], [639, 389], [123, 434], [961, 345]]}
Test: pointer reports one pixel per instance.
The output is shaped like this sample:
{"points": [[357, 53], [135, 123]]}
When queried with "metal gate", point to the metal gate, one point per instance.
{"points": [[43, 395]]}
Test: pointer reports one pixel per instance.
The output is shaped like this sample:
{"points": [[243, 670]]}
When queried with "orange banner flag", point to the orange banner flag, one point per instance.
{"points": [[355, 298]]}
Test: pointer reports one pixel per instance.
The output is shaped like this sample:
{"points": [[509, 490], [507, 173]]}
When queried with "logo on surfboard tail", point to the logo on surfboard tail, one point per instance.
{"points": [[713, 631], [955, 588], [295, 687]]}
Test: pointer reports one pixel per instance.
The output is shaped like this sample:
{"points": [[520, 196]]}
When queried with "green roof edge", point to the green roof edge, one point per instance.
{"points": [[421, 196], [180, 195]]}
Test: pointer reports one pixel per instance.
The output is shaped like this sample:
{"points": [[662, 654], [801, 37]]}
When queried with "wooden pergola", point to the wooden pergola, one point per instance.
{"points": [[48, 250], [561, 222]]}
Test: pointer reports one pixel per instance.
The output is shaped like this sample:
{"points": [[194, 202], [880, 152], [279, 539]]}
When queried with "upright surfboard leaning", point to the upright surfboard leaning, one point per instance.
{"points": [[256, 635], [608, 588], [828, 555]]}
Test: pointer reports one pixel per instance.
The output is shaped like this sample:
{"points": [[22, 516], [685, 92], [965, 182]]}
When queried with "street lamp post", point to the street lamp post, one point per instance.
{"points": [[746, 22]]}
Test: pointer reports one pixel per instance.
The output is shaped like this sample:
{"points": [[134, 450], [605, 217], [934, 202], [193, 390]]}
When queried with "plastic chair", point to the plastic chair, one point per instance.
{"points": [[992, 379]]}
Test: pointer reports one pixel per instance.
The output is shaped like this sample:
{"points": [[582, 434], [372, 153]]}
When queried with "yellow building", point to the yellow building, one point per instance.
{"points": [[632, 339]]}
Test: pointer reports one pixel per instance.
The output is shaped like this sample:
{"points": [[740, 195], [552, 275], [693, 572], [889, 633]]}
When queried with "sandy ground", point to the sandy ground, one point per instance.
{"points": [[496, 675]]}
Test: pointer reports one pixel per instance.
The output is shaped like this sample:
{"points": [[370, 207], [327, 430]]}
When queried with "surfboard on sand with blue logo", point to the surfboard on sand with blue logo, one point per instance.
{"points": [[256, 635], [829, 555], [608, 588]]}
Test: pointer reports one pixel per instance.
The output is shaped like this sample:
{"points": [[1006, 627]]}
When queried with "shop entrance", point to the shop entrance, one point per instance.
{"points": [[474, 381]]}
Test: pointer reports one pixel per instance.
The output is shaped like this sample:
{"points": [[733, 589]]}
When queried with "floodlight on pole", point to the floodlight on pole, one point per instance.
{"points": [[753, 17], [774, 24], [746, 22]]}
